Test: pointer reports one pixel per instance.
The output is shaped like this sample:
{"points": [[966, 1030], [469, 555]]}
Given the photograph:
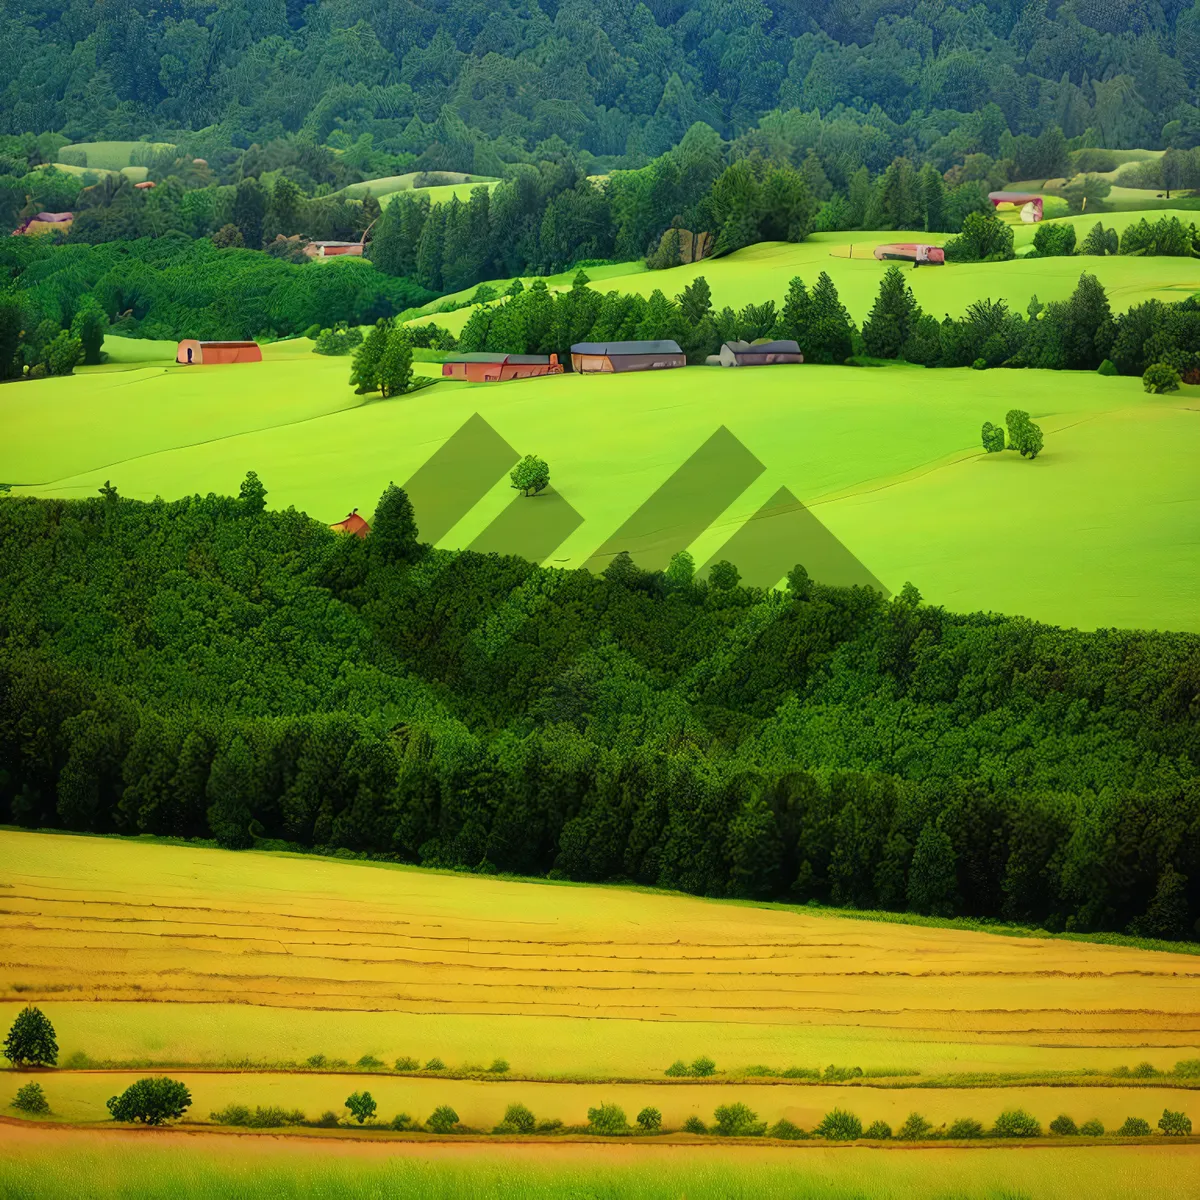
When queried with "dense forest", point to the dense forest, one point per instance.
{"points": [[615, 79], [208, 668]]}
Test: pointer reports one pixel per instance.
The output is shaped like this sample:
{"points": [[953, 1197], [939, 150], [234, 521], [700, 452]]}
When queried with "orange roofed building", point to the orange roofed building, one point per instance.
{"points": [[193, 353], [352, 524]]}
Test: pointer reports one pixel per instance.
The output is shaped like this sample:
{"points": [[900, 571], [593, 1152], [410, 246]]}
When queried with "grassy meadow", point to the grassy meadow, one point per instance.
{"points": [[888, 459], [56, 1165], [762, 272]]}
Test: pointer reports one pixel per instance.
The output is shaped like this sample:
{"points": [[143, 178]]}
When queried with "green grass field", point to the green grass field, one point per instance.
{"points": [[383, 189], [762, 272], [1105, 522], [58, 1165], [112, 156]]}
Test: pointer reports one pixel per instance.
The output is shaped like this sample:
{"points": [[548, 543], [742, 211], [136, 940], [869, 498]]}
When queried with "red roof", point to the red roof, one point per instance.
{"points": [[353, 524]]}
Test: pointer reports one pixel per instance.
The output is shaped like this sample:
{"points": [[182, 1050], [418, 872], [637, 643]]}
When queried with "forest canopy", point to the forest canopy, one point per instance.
{"points": [[469, 84], [263, 681]]}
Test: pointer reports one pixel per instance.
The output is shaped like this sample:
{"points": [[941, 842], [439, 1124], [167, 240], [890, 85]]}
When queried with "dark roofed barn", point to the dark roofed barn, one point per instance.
{"points": [[591, 357], [759, 354]]}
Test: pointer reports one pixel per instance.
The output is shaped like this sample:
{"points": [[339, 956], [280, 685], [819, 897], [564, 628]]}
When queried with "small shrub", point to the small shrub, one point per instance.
{"points": [[880, 1131], [738, 1120], [1092, 1128], [1016, 1123], [1063, 1126], [838, 1074], [327, 1120], [403, 1123], [786, 1131], [914, 1129], [694, 1125], [993, 438], [650, 1119], [1134, 1127], [31, 1099], [1175, 1124], [316, 1061], [361, 1106], [980, 364], [676, 1069], [77, 1061], [369, 1062], [549, 1126], [1160, 378], [839, 1126], [964, 1128], [702, 1067], [517, 1119], [800, 1073], [338, 1063], [443, 1120], [405, 1063], [152, 1101], [1121, 1072], [758, 1072], [1144, 1070], [233, 1114], [1107, 367], [1189, 1068], [608, 1119], [435, 1064], [499, 1066]]}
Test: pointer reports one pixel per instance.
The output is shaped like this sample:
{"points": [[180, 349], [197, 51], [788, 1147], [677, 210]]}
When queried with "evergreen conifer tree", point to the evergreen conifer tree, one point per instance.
{"points": [[830, 330], [395, 364], [364, 373], [893, 317]]}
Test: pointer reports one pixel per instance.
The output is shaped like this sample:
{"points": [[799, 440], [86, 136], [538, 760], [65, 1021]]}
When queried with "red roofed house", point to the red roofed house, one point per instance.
{"points": [[334, 249], [193, 353], [352, 524], [498, 367]]}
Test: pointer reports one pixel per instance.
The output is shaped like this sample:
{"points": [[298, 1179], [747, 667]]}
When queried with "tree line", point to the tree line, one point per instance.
{"points": [[457, 87], [1080, 333], [263, 681]]}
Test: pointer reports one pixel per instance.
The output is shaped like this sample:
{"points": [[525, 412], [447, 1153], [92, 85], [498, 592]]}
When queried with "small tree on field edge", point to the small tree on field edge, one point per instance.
{"points": [[531, 475], [31, 1099], [30, 1041], [443, 1120], [650, 1120], [152, 1101], [1160, 378], [361, 1106]]}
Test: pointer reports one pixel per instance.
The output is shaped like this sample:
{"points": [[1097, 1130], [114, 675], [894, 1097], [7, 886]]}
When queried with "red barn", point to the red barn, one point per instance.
{"points": [[498, 368], [352, 524]]}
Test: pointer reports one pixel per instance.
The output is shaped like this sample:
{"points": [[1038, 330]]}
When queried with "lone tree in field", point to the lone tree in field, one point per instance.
{"points": [[443, 1119], [1023, 435], [361, 1106], [153, 1101], [30, 1041], [31, 1099], [993, 437], [531, 475], [395, 366], [364, 374]]}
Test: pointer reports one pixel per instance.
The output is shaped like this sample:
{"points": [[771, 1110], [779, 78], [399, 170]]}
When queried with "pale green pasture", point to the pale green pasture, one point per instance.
{"points": [[1101, 530], [763, 272], [112, 156], [51, 1164]]}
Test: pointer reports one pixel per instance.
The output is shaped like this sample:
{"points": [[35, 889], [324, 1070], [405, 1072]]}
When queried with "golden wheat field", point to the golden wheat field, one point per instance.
{"points": [[142, 951]]}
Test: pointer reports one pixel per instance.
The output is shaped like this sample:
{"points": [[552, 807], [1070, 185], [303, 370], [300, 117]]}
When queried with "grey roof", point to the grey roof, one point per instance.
{"points": [[499, 357], [783, 346], [611, 348]]}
